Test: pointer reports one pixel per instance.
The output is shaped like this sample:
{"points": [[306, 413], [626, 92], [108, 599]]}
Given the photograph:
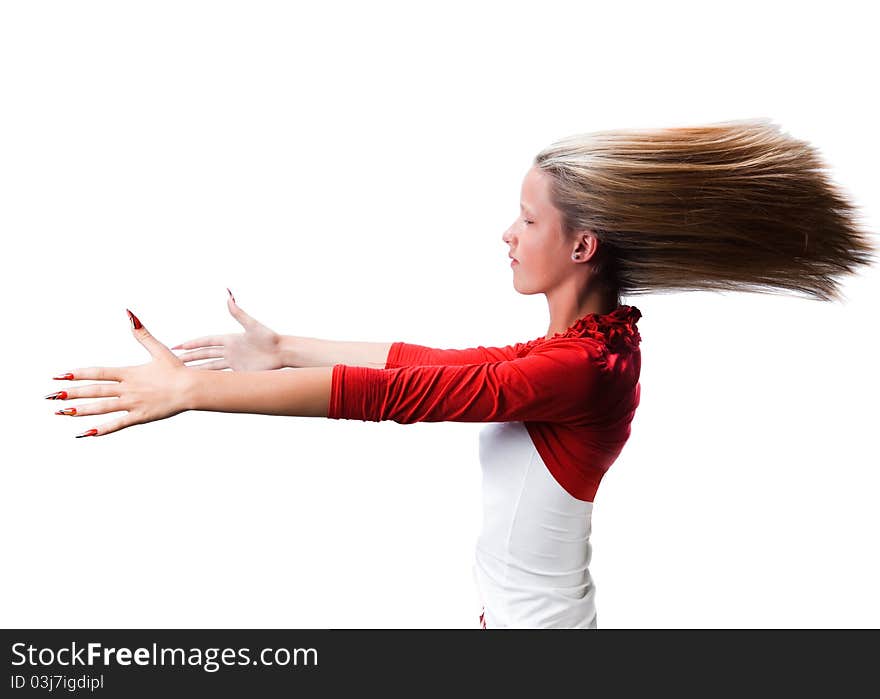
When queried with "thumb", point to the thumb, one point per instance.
{"points": [[246, 321], [142, 335]]}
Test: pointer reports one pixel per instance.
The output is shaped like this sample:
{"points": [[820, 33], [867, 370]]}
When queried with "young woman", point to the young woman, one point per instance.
{"points": [[735, 206]]}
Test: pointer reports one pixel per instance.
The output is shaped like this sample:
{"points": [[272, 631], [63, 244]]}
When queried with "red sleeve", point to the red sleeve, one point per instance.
{"points": [[408, 354], [556, 382]]}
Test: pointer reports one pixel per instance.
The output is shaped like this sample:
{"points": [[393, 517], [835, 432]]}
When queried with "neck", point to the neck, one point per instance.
{"points": [[565, 310]]}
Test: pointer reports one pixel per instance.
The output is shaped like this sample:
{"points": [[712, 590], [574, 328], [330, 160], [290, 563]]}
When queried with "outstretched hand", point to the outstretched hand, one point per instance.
{"points": [[147, 392], [256, 349]]}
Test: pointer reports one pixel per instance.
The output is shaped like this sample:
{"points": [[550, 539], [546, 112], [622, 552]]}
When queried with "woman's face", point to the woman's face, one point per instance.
{"points": [[535, 238]]}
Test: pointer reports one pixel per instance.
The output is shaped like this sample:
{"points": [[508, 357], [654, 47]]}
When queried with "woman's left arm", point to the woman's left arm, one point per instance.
{"points": [[304, 392], [166, 386]]}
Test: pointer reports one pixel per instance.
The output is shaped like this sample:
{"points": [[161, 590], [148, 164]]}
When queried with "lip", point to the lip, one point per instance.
{"points": [[513, 262]]}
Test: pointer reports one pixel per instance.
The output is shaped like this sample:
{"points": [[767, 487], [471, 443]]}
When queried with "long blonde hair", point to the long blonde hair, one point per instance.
{"points": [[733, 205]]}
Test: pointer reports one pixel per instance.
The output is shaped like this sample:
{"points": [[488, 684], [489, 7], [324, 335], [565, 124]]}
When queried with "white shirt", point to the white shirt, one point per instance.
{"points": [[531, 566]]}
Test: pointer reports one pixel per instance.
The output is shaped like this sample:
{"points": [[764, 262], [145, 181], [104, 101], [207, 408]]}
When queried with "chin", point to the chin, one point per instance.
{"points": [[526, 291]]}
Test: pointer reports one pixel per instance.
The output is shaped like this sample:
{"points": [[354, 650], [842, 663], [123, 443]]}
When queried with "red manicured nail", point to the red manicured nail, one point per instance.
{"points": [[58, 395], [177, 347], [66, 411], [63, 377], [135, 323], [90, 433], [230, 293]]}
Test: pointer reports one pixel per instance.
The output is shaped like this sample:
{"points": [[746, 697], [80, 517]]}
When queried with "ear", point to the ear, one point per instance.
{"points": [[587, 244]]}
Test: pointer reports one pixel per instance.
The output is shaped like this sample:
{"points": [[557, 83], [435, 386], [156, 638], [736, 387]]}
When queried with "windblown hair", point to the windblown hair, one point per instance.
{"points": [[734, 205]]}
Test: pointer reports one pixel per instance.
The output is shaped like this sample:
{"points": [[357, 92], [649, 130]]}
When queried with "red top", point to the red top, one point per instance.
{"points": [[575, 392]]}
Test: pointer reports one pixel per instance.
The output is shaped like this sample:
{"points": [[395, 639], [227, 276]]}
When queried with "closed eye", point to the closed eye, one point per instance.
{"points": [[526, 221]]}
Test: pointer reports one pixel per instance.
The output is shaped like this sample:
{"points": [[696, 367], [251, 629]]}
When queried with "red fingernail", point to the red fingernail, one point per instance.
{"points": [[230, 293], [66, 411], [58, 395], [90, 433], [177, 347], [64, 377], [135, 323]]}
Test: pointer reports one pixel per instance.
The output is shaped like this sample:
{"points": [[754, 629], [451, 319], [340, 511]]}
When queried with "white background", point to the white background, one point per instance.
{"points": [[348, 169]]}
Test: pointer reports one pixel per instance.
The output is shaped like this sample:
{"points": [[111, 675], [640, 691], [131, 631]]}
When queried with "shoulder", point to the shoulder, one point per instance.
{"points": [[587, 359]]}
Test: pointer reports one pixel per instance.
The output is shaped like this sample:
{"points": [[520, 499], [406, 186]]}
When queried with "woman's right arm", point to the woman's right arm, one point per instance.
{"points": [[297, 351], [260, 348]]}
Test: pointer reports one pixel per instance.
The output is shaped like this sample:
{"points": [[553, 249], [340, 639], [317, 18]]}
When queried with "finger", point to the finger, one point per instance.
{"points": [[95, 390], [154, 347], [246, 321], [207, 341], [218, 364], [94, 373], [109, 427], [111, 405], [207, 353]]}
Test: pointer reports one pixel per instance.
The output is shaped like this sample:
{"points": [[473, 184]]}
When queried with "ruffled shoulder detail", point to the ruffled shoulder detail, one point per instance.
{"points": [[616, 330]]}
